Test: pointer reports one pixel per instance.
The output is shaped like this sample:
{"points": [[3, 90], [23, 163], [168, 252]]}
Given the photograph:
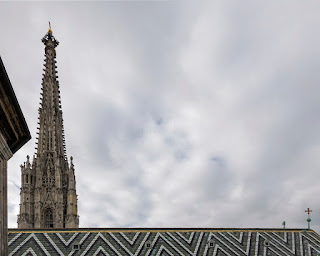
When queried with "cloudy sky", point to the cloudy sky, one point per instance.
{"points": [[177, 113]]}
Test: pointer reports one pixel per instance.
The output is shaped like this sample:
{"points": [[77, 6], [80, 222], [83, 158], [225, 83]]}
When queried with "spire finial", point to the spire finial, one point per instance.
{"points": [[308, 220], [71, 161], [49, 37], [49, 30], [28, 162]]}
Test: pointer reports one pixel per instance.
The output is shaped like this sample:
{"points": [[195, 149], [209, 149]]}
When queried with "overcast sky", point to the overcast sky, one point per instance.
{"points": [[177, 113]]}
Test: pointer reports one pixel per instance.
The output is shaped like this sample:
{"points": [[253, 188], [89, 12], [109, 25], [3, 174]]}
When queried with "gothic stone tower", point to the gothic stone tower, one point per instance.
{"points": [[48, 196]]}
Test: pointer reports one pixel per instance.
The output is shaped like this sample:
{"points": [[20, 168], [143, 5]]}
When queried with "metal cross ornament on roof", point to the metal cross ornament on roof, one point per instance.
{"points": [[308, 211], [308, 220]]}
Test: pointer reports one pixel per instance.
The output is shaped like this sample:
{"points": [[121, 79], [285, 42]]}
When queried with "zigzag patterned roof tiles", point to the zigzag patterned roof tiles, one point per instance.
{"points": [[164, 242]]}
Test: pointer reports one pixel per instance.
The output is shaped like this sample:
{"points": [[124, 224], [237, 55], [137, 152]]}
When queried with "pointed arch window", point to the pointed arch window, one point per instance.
{"points": [[48, 218]]}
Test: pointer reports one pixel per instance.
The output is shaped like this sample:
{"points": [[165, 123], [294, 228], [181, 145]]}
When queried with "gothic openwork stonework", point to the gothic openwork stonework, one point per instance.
{"points": [[48, 187]]}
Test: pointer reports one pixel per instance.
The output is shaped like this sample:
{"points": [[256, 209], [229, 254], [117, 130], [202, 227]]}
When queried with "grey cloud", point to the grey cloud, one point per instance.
{"points": [[177, 113]]}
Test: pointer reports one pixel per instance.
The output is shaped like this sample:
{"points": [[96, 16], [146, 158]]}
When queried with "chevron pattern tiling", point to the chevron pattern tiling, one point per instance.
{"points": [[167, 242]]}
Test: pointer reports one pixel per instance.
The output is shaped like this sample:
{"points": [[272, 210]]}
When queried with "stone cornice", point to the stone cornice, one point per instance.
{"points": [[5, 152]]}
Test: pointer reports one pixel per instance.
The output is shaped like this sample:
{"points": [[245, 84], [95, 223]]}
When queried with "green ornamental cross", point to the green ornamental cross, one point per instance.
{"points": [[309, 219]]}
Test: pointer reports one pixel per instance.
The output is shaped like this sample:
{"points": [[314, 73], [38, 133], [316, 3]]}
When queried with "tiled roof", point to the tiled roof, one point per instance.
{"points": [[163, 242]]}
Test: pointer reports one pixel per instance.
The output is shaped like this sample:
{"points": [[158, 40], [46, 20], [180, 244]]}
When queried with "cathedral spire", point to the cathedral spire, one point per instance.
{"points": [[51, 133], [48, 193]]}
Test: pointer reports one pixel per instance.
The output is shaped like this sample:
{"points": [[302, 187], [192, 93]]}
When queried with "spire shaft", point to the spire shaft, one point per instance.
{"points": [[50, 113]]}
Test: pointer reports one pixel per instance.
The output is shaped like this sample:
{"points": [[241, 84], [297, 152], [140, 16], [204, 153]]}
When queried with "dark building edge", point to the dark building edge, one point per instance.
{"points": [[6, 84]]}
